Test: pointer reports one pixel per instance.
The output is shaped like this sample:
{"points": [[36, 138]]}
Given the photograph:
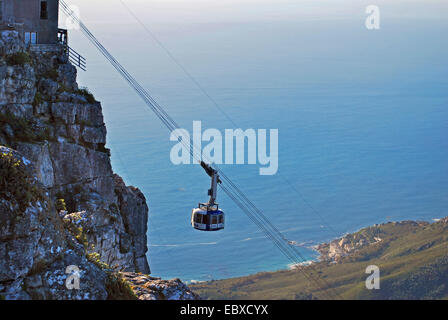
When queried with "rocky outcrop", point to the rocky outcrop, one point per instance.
{"points": [[342, 247], [134, 212], [85, 215], [349, 244], [150, 288]]}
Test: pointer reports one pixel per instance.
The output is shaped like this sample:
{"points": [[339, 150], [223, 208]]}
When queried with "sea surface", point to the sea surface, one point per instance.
{"points": [[362, 118]]}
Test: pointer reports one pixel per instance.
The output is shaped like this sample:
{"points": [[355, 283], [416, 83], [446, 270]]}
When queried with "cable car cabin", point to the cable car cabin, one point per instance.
{"points": [[206, 218]]}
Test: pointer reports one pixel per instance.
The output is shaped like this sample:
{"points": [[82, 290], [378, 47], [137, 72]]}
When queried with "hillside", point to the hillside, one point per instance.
{"points": [[412, 257]]}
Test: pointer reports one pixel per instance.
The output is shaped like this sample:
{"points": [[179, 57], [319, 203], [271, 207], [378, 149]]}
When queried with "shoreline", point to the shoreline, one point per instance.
{"points": [[411, 255], [334, 250]]}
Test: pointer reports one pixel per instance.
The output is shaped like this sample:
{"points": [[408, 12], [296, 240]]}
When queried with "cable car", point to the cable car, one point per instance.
{"points": [[208, 216]]}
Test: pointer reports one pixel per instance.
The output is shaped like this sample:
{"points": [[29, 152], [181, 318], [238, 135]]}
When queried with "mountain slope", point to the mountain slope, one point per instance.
{"points": [[412, 258]]}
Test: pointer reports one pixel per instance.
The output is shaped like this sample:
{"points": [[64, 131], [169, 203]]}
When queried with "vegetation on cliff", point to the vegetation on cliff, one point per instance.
{"points": [[17, 186], [63, 211]]}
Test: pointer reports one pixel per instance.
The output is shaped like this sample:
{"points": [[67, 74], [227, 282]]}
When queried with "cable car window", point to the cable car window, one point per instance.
{"points": [[214, 220], [198, 218], [221, 219], [206, 219]]}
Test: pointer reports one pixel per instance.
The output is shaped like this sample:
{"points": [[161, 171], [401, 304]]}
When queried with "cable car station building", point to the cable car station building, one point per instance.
{"points": [[36, 20]]}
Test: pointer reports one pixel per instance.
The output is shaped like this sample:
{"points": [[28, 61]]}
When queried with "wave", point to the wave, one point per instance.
{"points": [[293, 266], [184, 244], [251, 238], [193, 281]]}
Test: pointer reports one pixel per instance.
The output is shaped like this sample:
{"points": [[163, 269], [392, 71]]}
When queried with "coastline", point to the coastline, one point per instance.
{"points": [[401, 250]]}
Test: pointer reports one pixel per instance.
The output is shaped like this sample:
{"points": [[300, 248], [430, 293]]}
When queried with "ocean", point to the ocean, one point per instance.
{"points": [[362, 118]]}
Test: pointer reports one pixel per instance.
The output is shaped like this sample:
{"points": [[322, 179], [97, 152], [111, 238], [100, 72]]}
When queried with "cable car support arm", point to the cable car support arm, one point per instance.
{"points": [[213, 191]]}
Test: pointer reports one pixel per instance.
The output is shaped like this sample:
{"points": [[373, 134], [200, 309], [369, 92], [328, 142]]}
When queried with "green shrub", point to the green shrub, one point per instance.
{"points": [[16, 185], [19, 58], [26, 130], [38, 99], [77, 232], [87, 94], [116, 285], [38, 267], [51, 74], [102, 148], [118, 288], [60, 205], [95, 258], [63, 88]]}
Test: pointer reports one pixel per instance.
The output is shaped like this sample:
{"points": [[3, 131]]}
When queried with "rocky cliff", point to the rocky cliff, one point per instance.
{"points": [[61, 204]]}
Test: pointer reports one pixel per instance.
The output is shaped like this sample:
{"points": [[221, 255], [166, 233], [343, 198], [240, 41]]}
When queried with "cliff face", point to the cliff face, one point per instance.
{"points": [[35, 246], [80, 213]]}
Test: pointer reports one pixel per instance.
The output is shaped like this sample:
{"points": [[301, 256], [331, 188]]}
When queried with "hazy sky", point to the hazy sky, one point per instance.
{"points": [[200, 11], [350, 103]]}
